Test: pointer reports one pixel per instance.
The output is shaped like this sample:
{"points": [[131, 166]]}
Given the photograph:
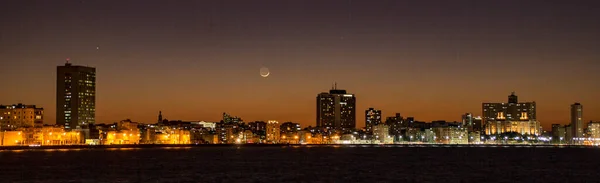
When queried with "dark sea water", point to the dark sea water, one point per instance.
{"points": [[303, 164]]}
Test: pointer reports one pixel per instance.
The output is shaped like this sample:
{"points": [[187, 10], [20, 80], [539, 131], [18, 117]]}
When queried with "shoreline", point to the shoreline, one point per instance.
{"points": [[150, 146]]}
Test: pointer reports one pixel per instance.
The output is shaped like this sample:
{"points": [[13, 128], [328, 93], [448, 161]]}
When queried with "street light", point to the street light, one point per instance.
{"points": [[561, 139]]}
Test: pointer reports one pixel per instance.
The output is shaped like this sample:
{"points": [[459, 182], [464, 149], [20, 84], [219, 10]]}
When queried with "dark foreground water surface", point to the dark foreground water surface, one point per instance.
{"points": [[303, 164]]}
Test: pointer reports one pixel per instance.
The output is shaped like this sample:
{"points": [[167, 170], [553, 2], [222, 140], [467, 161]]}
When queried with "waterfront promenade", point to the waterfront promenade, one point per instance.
{"points": [[294, 145]]}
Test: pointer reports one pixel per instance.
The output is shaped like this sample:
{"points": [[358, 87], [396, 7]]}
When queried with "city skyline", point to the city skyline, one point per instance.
{"points": [[409, 58]]}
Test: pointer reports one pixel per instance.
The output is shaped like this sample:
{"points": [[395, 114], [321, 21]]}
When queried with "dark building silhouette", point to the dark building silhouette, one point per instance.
{"points": [[336, 110], [257, 126], [558, 133], [577, 121], [372, 118], [478, 124], [160, 117], [75, 96], [231, 119], [472, 123], [289, 127], [396, 124]]}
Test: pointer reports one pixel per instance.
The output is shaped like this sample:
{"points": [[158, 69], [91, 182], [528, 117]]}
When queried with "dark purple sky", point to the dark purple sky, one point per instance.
{"points": [[432, 59]]}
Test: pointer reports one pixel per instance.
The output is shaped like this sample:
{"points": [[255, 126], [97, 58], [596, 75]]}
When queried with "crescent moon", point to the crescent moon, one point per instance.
{"points": [[264, 72]]}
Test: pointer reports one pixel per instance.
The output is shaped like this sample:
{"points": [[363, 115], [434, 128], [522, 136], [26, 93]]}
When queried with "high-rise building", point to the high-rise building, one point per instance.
{"points": [[472, 123], [478, 124], [467, 120], [75, 96], [336, 110], [558, 133], [568, 133], [20, 116], [510, 117], [396, 124], [273, 132], [372, 118], [577, 121]]}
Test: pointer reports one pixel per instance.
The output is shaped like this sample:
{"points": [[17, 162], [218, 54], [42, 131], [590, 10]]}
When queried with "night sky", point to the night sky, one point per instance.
{"points": [[431, 59]]}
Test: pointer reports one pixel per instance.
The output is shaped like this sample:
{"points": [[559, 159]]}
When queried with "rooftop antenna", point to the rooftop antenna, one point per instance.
{"points": [[67, 62], [335, 85]]}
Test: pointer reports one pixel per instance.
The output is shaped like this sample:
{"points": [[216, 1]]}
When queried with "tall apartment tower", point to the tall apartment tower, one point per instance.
{"points": [[372, 118], [336, 110], [577, 120], [273, 131], [75, 96]]}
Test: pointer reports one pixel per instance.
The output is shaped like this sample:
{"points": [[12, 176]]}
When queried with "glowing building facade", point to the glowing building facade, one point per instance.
{"points": [[510, 117], [17, 116], [273, 131]]}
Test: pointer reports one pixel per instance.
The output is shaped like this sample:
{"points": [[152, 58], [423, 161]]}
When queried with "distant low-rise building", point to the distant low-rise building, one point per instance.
{"points": [[123, 132], [474, 137], [530, 127], [17, 116], [11, 138], [381, 134], [451, 135], [167, 135], [593, 132], [289, 127], [57, 135], [204, 124]]}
